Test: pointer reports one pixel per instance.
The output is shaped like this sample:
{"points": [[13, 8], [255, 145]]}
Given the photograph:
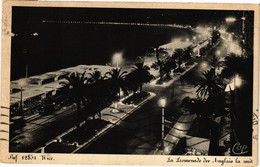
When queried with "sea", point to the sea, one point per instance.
{"points": [[58, 46]]}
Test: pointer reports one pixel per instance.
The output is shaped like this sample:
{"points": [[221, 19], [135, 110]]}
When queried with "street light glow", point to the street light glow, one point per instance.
{"points": [[22, 82], [167, 150], [163, 102], [218, 52], [238, 81], [117, 58], [35, 34], [204, 65], [230, 19]]}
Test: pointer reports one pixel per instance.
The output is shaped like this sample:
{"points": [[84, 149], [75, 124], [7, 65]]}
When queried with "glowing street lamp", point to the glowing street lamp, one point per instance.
{"points": [[117, 58], [236, 83], [34, 34], [204, 65], [162, 104], [218, 52], [230, 19]]}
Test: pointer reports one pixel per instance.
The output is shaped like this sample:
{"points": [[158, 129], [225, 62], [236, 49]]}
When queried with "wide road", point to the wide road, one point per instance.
{"points": [[38, 131], [140, 133]]}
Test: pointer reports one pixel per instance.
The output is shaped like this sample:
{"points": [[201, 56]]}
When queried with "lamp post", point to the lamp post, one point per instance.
{"points": [[21, 83], [21, 101], [25, 51], [162, 104], [236, 82], [243, 35]]}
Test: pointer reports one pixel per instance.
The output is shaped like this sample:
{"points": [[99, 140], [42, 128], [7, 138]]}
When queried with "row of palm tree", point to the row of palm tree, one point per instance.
{"points": [[210, 98], [165, 63], [97, 91]]}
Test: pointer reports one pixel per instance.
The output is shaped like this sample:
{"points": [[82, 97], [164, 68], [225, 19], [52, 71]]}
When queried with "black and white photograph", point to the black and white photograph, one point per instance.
{"points": [[131, 81]]}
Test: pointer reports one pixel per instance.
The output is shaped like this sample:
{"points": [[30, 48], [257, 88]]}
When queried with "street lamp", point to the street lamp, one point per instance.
{"points": [[117, 58], [236, 83], [230, 19], [21, 83], [204, 65], [26, 37], [162, 104], [218, 52]]}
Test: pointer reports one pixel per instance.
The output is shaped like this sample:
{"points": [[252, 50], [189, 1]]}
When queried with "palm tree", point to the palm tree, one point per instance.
{"points": [[178, 54], [141, 75], [233, 64], [116, 79], [205, 116], [158, 65], [131, 83], [167, 64], [77, 86], [215, 62], [215, 36], [97, 92], [95, 77], [209, 85], [187, 53]]}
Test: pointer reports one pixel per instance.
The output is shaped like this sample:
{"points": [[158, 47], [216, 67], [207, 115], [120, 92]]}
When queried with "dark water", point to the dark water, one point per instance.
{"points": [[63, 45]]}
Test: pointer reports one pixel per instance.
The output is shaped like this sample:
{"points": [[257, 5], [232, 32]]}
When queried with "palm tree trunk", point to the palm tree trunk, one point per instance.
{"points": [[214, 138], [78, 115], [119, 94], [159, 62], [179, 62], [141, 88], [210, 93]]}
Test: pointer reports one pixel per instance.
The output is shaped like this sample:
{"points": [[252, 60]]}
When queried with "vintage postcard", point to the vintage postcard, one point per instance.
{"points": [[123, 83]]}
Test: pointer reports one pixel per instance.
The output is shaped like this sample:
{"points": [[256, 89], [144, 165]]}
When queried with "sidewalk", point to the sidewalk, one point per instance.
{"points": [[179, 130], [107, 114]]}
